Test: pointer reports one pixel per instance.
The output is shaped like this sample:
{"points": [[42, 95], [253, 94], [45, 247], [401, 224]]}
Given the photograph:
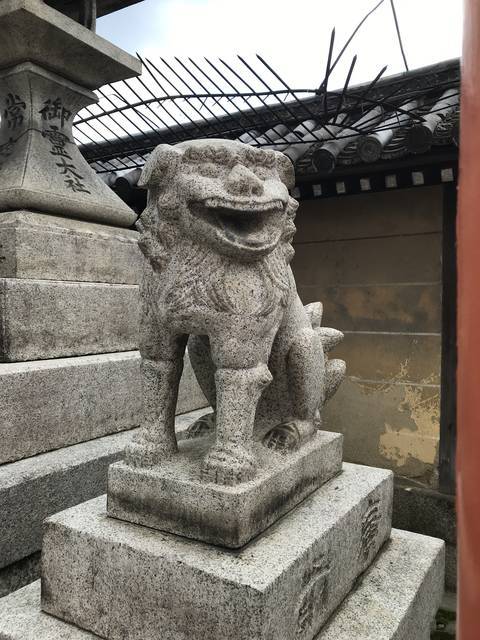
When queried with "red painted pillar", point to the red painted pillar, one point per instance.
{"points": [[468, 413]]}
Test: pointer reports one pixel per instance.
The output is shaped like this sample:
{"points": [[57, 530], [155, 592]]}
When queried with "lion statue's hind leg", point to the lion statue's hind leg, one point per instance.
{"points": [[204, 370], [312, 380], [203, 426], [305, 374]]}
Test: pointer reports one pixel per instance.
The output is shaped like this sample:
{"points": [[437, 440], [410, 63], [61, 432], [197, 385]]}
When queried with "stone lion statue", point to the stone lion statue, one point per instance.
{"points": [[216, 235]]}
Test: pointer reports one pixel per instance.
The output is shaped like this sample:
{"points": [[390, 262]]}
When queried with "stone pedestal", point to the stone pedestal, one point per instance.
{"points": [[47, 77], [172, 498], [103, 578], [120, 580]]}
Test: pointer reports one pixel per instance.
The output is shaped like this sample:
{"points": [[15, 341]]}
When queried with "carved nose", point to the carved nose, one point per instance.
{"points": [[243, 182]]}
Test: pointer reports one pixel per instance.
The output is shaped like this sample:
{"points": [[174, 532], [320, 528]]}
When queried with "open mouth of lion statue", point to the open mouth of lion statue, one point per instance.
{"points": [[249, 227]]}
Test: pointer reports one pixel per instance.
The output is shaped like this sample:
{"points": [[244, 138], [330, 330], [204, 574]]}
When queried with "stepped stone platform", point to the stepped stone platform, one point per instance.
{"points": [[34, 488], [395, 599], [120, 580], [66, 318], [47, 404]]}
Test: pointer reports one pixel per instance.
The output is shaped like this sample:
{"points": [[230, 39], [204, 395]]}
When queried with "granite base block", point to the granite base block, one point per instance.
{"points": [[50, 319], [172, 497], [48, 404], [44, 247], [33, 489], [123, 581], [20, 573], [395, 599]]}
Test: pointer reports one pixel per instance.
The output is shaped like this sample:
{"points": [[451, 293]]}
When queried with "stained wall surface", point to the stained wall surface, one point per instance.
{"points": [[374, 260]]}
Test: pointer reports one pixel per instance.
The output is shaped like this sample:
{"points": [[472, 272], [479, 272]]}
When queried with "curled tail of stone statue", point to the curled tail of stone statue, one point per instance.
{"points": [[334, 369], [314, 312], [335, 373]]}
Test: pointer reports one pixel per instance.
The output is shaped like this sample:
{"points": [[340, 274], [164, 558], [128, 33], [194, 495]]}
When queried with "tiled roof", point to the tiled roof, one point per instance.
{"points": [[419, 121]]}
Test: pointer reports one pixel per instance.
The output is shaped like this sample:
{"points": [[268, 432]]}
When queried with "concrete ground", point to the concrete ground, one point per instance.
{"points": [[446, 617]]}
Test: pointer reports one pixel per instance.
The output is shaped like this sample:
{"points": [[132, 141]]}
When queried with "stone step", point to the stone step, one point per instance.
{"points": [[52, 319], [48, 404], [44, 247], [35, 488], [395, 599], [285, 583]]}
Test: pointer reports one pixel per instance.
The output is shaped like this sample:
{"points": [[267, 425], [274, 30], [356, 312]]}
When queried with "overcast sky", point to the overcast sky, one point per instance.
{"points": [[293, 35]]}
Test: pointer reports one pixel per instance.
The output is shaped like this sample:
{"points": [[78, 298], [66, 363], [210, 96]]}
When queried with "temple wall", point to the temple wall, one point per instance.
{"points": [[374, 260]]}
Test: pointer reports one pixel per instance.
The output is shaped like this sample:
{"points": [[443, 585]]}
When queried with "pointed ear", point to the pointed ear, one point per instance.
{"points": [[160, 163], [285, 170]]}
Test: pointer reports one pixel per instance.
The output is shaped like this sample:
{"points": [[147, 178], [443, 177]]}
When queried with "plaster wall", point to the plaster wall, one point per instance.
{"points": [[374, 260]]}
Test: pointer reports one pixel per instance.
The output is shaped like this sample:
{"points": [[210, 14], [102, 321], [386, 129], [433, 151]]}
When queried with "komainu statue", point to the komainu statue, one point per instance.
{"points": [[216, 235]]}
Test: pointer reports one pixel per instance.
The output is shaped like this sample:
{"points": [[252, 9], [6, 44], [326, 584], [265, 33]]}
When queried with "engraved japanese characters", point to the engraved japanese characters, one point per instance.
{"points": [[216, 235]]}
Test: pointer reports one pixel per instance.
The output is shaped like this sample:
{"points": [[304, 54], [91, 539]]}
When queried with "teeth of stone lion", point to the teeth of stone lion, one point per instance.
{"points": [[217, 203]]}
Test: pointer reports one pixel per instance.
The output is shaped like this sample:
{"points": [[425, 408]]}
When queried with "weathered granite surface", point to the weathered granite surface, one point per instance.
{"points": [[216, 235], [50, 319], [126, 581], [49, 64], [33, 489], [49, 404], [395, 599], [190, 396], [20, 573], [45, 247], [34, 31], [171, 498], [41, 166]]}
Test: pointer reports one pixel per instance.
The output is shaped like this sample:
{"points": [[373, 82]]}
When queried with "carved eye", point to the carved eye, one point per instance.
{"points": [[208, 169], [261, 172]]}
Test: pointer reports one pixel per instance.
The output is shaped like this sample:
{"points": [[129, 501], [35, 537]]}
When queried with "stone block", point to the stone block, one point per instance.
{"points": [[50, 319], [20, 573], [383, 213], [49, 404], [33, 489], [172, 496], [420, 509], [395, 600], [389, 308], [34, 31], [120, 580], [45, 247]]}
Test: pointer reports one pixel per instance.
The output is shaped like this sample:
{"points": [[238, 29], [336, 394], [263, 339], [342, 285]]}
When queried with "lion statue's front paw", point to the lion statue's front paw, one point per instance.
{"points": [[143, 452], [228, 466]]}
